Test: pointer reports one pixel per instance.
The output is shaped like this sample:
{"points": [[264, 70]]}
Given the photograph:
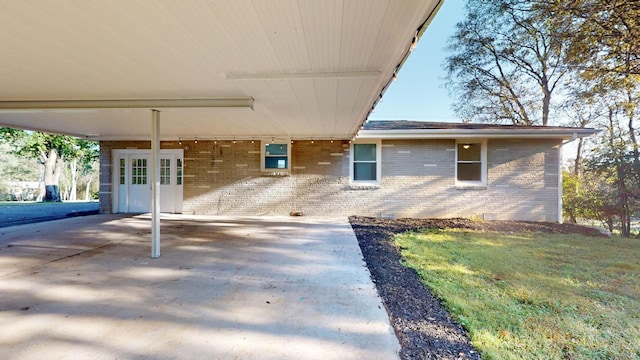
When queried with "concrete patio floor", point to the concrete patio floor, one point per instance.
{"points": [[224, 288]]}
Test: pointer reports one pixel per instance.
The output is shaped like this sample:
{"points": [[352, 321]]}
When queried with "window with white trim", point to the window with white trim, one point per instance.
{"points": [[365, 163], [275, 156], [471, 162]]}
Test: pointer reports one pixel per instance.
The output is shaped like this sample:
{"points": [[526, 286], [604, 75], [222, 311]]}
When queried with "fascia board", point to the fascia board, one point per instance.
{"points": [[485, 134]]}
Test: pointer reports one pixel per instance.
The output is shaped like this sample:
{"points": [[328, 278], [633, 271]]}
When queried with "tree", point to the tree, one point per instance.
{"points": [[588, 196], [81, 165], [582, 108], [613, 161], [603, 35], [507, 62], [14, 169], [50, 151], [512, 58], [603, 40]]}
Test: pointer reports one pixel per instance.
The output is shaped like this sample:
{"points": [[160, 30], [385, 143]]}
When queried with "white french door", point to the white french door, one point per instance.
{"points": [[132, 176]]}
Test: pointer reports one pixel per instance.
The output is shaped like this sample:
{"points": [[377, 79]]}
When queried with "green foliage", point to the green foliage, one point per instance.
{"points": [[616, 161], [37, 145], [82, 155], [14, 168], [535, 295], [603, 35], [586, 197]]}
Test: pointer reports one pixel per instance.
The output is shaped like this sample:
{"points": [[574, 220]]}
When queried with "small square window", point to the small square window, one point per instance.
{"points": [[275, 156]]}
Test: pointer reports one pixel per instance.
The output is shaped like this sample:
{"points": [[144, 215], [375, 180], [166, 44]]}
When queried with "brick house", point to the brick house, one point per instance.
{"points": [[392, 169], [216, 72]]}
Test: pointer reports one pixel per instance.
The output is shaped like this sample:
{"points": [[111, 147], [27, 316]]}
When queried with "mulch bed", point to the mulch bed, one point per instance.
{"points": [[424, 328]]}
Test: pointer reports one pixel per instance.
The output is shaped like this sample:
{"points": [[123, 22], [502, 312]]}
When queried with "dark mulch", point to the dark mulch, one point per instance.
{"points": [[423, 327]]}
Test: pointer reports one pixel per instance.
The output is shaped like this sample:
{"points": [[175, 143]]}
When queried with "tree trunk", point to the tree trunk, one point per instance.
{"points": [[546, 101], [73, 166], [578, 162], [87, 190], [52, 170]]}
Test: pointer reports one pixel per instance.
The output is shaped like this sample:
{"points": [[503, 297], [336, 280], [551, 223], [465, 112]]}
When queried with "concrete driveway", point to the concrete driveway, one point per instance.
{"points": [[224, 288]]}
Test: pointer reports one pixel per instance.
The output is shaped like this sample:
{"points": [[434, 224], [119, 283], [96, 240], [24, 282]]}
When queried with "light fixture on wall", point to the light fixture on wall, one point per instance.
{"points": [[215, 141], [466, 146], [179, 141], [195, 141], [252, 140], [414, 42], [332, 140], [312, 140], [234, 140]]}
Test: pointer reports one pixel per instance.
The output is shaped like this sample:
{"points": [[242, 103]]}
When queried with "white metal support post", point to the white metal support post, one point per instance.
{"points": [[155, 184]]}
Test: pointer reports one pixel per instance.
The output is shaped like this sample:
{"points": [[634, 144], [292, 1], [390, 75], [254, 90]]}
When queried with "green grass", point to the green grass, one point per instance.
{"points": [[534, 295]]}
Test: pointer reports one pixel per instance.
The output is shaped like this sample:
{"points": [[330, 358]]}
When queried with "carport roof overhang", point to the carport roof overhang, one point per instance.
{"points": [[308, 68]]}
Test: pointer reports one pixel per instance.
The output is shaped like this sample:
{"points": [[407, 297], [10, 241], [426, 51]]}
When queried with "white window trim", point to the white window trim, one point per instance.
{"points": [[378, 143], [263, 146], [483, 165]]}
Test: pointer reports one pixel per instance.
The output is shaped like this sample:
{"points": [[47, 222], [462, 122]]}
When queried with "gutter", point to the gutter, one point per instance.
{"points": [[571, 134]]}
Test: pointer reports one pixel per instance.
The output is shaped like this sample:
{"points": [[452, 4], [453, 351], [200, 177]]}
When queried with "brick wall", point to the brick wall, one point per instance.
{"points": [[417, 180]]}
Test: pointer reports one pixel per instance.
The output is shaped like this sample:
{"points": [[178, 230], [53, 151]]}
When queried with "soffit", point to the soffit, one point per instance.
{"points": [[314, 68]]}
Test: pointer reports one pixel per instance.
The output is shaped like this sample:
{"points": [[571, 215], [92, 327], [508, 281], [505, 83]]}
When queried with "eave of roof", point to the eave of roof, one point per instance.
{"points": [[427, 130], [314, 68]]}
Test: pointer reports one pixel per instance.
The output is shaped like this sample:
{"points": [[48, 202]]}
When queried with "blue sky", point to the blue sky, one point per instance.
{"points": [[419, 92]]}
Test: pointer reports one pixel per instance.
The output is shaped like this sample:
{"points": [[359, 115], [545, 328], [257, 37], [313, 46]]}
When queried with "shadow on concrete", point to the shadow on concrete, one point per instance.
{"points": [[224, 288]]}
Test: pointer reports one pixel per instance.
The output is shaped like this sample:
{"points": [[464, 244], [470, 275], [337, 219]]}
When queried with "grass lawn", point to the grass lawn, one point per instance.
{"points": [[535, 295]]}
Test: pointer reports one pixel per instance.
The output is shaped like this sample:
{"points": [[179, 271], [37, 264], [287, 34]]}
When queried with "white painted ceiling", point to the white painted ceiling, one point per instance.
{"points": [[314, 68]]}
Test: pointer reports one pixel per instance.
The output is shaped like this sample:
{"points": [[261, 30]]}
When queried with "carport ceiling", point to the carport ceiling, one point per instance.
{"points": [[313, 68]]}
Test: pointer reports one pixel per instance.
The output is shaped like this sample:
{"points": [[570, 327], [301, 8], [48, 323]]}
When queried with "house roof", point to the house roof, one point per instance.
{"points": [[404, 129], [292, 68]]}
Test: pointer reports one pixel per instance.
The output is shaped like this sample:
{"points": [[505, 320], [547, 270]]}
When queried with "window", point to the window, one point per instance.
{"points": [[471, 163], [275, 156], [138, 171], [365, 163], [122, 168], [165, 171], [178, 171]]}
